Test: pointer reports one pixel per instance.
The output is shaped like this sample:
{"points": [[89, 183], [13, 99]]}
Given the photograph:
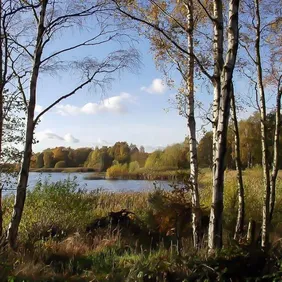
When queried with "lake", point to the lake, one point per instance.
{"points": [[107, 185]]}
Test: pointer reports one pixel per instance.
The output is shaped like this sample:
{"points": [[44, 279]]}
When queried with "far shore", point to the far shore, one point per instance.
{"points": [[65, 169], [168, 175]]}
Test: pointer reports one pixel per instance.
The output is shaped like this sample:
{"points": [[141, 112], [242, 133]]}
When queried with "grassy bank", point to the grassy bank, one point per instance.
{"points": [[66, 169], [70, 235], [142, 174]]}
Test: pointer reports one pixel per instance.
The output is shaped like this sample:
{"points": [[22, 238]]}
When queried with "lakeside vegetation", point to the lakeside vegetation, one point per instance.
{"points": [[68, 234], [124, 161], [64, 169]]}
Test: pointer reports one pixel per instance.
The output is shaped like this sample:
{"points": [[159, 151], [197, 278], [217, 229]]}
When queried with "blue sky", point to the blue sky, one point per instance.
{"points": [[135, 108]]}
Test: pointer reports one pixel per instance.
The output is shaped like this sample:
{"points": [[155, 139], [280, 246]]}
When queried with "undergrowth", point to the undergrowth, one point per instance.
{"points": [[151, 243]]}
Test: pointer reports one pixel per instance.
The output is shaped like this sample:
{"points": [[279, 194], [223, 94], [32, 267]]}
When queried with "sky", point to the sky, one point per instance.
{"points": [[136, 108]]}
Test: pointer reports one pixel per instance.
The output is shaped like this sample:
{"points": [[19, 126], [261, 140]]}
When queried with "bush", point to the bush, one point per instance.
{"points": [[117, 171], [133, 166], [59, 207], [61, 164]]}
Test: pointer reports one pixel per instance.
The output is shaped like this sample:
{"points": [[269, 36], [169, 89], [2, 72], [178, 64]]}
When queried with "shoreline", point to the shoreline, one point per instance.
{"points": [[171, 175]]}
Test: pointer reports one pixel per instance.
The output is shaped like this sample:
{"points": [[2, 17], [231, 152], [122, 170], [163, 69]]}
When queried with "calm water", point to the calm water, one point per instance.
{"points": [[108, 185]]}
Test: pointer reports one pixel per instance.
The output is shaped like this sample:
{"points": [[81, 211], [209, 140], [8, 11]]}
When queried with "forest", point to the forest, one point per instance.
{"points": [[220, 220], [174, 157]]}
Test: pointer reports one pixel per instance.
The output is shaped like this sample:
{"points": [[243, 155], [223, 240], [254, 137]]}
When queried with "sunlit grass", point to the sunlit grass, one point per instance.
{"points": [[71, 255]]}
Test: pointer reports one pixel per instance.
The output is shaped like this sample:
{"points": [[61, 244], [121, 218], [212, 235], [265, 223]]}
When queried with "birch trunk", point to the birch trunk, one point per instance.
{"points": [[196, 211], [1, 111], [275, 150], [24, 171], [215, 226], [265, 157], [241, 199], [218, 66]]}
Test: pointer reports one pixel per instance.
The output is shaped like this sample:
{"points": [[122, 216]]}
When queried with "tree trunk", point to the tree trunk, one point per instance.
{"points": [[216, 210], [215, 226], [1, 112], [265, 157], [24, 171], [241, 199], [275, 150], [251, 232], [196, 211]]}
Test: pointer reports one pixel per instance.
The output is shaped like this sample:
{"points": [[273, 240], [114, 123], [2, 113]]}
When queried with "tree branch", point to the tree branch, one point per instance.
{"points": [[85, 43], [157, 28]]}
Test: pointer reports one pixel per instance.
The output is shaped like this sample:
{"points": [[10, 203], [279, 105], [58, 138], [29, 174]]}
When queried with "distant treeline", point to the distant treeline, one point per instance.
{"points": [[127, 157], [120, 154]]}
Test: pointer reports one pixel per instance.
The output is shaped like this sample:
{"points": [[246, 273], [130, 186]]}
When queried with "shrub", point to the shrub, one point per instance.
{"points": [[61, 164], [117, 171], [133, 166], [55, 209]]}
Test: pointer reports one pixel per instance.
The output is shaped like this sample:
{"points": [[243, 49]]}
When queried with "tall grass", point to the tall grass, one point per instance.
{"points": [[54, 245]]}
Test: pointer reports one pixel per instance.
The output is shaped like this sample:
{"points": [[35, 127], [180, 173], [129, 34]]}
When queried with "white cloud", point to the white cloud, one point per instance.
{"points": [[48, 134], [156, 87], [115, 104], [38, 109], [66, 110], [70, 139]]}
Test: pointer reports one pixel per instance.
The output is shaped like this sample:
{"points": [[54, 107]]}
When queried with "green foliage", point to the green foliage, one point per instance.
{"points": [[39, 160], [117, 171], [110, 254], [61, 205], [48, 158], [172, 157], [60, 164], [153, 161], [99, 159], [60, 154], [133, 166], [79, 156], [139, 157], [71, 157], [205, 150], [120, 152]]}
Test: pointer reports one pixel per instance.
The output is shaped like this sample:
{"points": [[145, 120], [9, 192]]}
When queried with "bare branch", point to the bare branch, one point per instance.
{"points": [[85, 43], [206, 11], [164, 33], [248, 52]]}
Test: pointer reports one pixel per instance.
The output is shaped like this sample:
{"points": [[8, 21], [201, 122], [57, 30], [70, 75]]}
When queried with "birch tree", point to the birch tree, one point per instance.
{"points": [[221, 78], [170, 27], [10, 122], [241, 198], [222, 81], [41, 23], [263, 22]]}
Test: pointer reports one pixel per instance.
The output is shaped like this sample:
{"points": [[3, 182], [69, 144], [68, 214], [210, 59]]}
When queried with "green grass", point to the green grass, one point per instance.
{"points": [[116, 254]]}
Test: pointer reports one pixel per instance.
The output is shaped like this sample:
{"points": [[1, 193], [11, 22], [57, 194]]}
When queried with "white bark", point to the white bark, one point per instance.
{"points": [[221, 123], [241, 198], [196, 211], [265, 156], [214, 229], [1, 112], [275, 149]]}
